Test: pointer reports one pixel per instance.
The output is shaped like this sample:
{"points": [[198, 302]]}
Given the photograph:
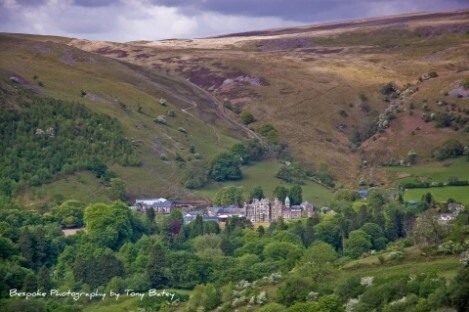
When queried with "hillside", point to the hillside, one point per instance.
{"points": [[347, 96], [367, 120], [127, 92], [319, 85]]}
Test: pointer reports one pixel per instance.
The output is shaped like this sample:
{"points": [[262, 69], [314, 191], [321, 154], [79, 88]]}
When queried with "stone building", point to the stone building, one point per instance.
{"points": [[265, 210]]}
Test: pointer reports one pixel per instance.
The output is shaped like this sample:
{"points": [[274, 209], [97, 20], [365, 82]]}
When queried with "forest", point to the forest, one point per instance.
{"points": [[302, 265], [42, 138]]}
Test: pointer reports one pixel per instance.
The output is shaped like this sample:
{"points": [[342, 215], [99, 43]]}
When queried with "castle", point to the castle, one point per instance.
{"points": [[265, 210]]}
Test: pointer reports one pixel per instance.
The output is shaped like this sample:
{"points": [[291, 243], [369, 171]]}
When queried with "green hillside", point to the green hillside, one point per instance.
{"points": [[128, 94]]}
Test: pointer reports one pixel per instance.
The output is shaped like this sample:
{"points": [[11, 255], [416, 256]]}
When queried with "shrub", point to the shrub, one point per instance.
{"points": [[246, 118], [160, 119], [294, 173], [269, 132], [388, 89], [449, 149]]}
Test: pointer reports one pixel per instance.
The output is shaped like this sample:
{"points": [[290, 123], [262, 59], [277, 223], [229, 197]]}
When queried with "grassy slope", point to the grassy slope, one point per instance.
{"points": [[435, 172], [458, 193], [65, 71], [263, 174], [307, 87]]}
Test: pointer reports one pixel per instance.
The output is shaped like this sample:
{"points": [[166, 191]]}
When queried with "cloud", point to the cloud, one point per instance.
{"points": [[309, 11], [127, 20], [94, 3]]}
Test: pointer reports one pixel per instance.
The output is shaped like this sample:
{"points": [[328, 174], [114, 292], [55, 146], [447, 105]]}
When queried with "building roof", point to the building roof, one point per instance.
{"points": [[156, 202], [363, 193]]}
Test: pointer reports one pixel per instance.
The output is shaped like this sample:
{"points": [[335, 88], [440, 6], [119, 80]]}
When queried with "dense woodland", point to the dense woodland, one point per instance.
{"points": [[282, 266], [41, 138]]}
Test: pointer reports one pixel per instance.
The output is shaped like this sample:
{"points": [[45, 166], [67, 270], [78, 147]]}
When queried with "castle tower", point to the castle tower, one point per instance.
{"points": [[287, 202]]}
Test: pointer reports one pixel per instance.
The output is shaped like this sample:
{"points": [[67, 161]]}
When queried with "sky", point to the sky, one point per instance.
{"points": [[130, 20]]}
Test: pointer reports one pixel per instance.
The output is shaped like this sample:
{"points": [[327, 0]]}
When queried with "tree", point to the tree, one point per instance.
{"points": [[118, 191], [43, 279], [150, 214], [240, 151], [256, 193], [197, 226], [224, 167], [97, 166], [195, 176], [296, 194], [449, 149], [292, 173], [109, 225], [294, 289], [378, 241], [280, 192], [347, 195], [229, 196], [460, 293], [269, 132], [317, 260], [70, 213], [246, 118], [204, 298], [208, 245], [393, 223], [308, 236], [329, 232], [357, 244], [298, 229], [156, 266], [427, 229], [225, 244]]}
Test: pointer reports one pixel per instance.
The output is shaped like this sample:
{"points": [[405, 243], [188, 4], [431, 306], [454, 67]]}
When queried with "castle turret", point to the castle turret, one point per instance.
{"points": [[287, 202]]}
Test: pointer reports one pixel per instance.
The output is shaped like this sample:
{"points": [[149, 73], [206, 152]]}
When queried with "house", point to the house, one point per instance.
{"points": [[265, 210], [363, 193], [191, 215], [229, 211], [445, 218], [308, 208], [159, 205]]}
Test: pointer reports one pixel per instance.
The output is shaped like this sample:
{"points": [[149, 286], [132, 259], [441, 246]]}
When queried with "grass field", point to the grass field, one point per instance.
{"points": [[263, 174], [435, 171], [82, 186], [458, 193], [446, 267]]}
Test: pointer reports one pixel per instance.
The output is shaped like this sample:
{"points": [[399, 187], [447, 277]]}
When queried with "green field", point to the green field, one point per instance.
{"points": [[458, 193], [83, 186], [435, 171], [446, 267], [263, 174]]}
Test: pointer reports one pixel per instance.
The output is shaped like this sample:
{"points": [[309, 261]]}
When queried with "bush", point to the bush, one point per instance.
{"points": [[246, 118], [225, 166], [388, 89], [269, 132], [160, 119], [294, 173], [449, 149]]}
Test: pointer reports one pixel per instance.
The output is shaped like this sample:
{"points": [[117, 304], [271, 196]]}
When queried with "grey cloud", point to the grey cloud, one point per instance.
{"points": [[95, 3], [308, 10], [31, 2]]}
